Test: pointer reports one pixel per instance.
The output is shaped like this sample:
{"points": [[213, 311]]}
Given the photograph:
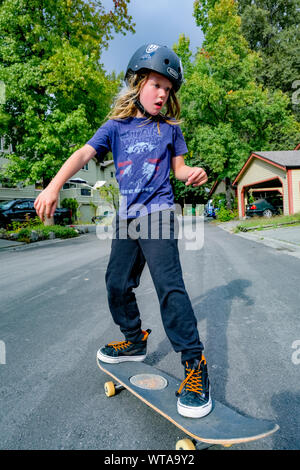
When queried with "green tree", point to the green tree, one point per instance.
{"points": [[57, 92], [110, 193], [72, 204], [271, 28], [187, 194], [201, 10], [226, 113]]}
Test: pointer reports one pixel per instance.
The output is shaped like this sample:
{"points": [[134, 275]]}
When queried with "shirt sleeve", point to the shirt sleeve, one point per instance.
{"points": [[101, 140], [179, 145]]}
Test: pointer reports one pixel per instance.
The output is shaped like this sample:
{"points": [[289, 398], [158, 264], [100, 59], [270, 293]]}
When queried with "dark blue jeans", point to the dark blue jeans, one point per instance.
{"points": [[152, 239]]}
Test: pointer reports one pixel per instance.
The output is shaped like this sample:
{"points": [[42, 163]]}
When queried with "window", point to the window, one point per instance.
{"points": [[85, 192], [69, 186], [22, 205], [6, 205]]}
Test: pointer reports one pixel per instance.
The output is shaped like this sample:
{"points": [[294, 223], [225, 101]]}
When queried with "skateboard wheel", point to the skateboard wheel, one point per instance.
{"points": [[227, 445], [185, 444], [109, 388]]}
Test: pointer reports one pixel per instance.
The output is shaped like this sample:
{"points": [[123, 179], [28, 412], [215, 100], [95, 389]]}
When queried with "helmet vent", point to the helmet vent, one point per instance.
{"points": [[167, 61]]}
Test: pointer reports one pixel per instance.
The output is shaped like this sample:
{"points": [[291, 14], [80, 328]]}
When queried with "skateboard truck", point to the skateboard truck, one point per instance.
{"points": [[112, 389]]}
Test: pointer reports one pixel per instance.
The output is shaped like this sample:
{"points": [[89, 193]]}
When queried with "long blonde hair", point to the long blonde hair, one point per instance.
{"points": [[124, 106]]}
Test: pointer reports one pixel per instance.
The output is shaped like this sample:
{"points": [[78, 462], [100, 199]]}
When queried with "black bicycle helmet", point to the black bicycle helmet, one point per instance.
{"points": [[159, 59]]}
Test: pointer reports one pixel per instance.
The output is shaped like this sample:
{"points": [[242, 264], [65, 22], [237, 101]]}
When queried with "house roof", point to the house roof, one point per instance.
{"points": [[109, 162], [103, 164], [284, 159], [213, 188]]}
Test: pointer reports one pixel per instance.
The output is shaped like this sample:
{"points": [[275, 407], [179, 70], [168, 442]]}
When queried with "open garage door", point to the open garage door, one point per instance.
{"points": [[270, 190]]}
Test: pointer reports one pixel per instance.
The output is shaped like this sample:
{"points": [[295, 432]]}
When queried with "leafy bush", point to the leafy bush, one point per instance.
{"points": [[223, 215], [72, 204], [23, 234], [28, 222], [219, 200], [59, 230]]}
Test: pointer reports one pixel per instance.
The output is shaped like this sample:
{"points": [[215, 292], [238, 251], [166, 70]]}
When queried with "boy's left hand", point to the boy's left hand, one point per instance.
{"points": [[196, 177]]}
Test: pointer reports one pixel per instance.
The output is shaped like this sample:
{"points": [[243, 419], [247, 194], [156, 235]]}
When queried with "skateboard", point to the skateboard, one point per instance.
{"points": [[222, 426]]}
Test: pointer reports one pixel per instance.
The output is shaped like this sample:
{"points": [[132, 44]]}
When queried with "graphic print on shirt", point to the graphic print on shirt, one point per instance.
{"points": [[139, 166]]}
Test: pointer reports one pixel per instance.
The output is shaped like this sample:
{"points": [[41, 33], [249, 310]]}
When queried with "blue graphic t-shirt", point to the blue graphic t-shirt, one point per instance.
{"points": [[142, 157]]}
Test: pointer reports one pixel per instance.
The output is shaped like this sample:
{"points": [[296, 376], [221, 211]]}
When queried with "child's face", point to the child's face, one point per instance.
{"points": [[154, 93]]}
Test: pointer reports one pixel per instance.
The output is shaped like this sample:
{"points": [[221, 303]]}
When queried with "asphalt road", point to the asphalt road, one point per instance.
{"points": [[54, 317]]}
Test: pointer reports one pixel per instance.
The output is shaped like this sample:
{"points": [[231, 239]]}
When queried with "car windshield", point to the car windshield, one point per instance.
{"points": [[6, 205]]}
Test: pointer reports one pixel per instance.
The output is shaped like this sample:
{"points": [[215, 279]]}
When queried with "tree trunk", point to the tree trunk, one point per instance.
{"points": [[46, 181], [228, 193], [49, 221]]}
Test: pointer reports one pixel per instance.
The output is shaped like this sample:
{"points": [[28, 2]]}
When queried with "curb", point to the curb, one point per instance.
{"points": [[261, 227], [25, 246]]}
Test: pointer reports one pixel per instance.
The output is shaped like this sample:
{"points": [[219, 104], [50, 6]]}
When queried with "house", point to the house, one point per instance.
{"points": [[270, 174], [219, 187], [90, 202]]}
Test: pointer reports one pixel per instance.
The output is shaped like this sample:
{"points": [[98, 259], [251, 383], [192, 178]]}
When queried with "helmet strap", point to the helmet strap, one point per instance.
{"points": [[141, 108]]}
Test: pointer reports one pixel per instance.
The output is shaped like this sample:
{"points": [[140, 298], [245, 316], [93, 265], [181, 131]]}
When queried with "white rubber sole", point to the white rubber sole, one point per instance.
{"points": [[117, 360], [194, 411]]}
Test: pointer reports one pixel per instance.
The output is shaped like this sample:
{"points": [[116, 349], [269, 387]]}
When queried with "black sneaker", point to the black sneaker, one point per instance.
{"points": [[194, 399], [122, 351]]}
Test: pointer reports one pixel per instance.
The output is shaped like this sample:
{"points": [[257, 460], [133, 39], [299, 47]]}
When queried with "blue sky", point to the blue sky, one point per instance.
{"points": [[157, 21]]}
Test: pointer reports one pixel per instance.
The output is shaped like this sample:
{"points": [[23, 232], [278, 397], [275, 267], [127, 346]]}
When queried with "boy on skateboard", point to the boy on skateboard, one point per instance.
{"points": [[146, 144]]}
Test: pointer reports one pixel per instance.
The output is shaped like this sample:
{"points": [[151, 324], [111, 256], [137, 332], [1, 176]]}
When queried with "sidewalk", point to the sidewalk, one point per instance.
{"points": [[285, 239], [12, 245], [9, 243]]}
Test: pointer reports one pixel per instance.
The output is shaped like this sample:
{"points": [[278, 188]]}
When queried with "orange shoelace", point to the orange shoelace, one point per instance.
{"points": [[118, 345], [193, 380]]}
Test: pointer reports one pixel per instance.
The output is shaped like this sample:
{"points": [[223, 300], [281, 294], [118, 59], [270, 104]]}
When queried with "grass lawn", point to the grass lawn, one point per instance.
{"points": [[260, 223]]}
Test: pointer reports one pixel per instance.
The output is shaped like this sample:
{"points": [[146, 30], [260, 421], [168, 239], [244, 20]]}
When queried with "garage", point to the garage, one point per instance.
{"points": [[274, 176]]}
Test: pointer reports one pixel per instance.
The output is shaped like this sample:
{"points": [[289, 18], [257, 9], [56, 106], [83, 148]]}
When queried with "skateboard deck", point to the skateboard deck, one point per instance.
{"points": [[222, 425]]}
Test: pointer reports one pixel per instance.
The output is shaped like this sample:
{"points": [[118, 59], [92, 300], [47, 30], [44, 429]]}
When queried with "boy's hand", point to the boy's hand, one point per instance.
{"points": [[46, 203], [196, 177]]}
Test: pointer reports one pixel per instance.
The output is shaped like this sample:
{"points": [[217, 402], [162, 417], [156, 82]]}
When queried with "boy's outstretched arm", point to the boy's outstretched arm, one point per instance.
{"points": [[46, 202], [190, 175]]}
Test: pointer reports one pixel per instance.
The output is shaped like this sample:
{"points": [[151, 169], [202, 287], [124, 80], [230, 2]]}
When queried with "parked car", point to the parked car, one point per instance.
{"points": [[262, 208], [97, 219], [210, 210], [19, 209]]}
